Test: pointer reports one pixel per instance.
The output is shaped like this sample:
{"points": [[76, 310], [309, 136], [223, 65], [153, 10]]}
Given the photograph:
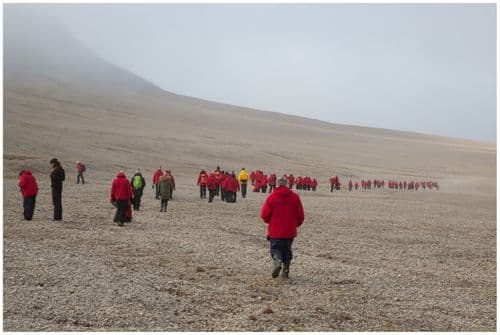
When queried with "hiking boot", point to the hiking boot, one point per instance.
{"points": [[286, 270], [120, 224], [276, 267]]}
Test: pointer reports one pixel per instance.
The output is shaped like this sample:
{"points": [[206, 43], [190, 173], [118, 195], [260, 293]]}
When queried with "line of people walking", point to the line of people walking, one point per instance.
{"points": [[222, 183]]}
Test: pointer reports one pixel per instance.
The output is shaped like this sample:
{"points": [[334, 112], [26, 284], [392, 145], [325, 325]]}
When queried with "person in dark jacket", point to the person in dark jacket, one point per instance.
{"points": [[121, 194], [29, 190], [283, 212], [138, 184], [56, 183], [166, 185]]}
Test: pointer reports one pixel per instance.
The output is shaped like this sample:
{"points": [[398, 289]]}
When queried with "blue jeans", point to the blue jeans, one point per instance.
{"points": [[282, 248]]}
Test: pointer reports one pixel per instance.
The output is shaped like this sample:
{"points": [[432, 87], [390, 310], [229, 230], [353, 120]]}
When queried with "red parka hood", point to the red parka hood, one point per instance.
{"points": [[120, 175], [282, 191]]}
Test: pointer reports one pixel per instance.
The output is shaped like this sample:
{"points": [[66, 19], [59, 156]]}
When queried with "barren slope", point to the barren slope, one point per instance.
{"points": [[365, 260]]}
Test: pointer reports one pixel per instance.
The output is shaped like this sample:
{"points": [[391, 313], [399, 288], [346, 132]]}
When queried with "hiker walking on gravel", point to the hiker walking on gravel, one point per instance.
{"points": [[252, 177], [57, 177], [243, 179], [165, 186], [120, 195], [80, 169], [138, 184], [272, 182], [29, 190], [168, 172], [212, 186], [231, 187], [314, 184], [202, 182], [283, 212], [156, 176]]}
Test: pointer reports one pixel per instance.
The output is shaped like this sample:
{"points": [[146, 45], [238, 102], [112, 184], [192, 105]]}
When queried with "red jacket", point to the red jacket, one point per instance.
{"points": [[283, 212], [156, 176], [231, 184], [28, 185], [314, 182], [79, 167], [212, 182], [272, 179], [202, 179], [120, 188]]}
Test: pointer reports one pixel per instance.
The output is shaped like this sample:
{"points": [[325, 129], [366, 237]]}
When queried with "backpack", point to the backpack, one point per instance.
{"points": [[244, 177], [137, 182], [83, 168]]}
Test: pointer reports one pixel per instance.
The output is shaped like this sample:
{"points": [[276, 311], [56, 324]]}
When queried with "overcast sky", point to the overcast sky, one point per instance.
{"points": [[424, 68]]}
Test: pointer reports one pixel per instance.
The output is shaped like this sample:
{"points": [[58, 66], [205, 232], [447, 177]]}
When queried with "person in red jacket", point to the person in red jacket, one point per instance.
{"points": [[121, 194], [221, 182], [211, 186], [263, 184], [231, 187], [283, 212], [80, 169], [314, 184], [156, 177], [29, 190], [356, 185], [291, 181], [332, 183], [350, 185], [202, 182]]}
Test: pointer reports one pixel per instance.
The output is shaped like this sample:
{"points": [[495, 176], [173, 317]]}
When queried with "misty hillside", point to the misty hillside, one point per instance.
{"points": [[63, 100]]}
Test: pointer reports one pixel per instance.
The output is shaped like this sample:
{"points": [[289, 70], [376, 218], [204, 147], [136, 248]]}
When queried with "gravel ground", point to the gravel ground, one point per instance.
{"points": [[366, 260]]}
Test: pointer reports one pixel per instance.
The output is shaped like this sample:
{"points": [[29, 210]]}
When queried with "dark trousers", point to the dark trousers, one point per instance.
{"points": [[222, 194], [281, 248], [80, 175], [29, 207], [230, 196], [211, 195], [57, 202], [243, 189], [271, 188], [121, 207], [264, 189], [164, 203], [203, 191], [137, 199], [157, 188]]}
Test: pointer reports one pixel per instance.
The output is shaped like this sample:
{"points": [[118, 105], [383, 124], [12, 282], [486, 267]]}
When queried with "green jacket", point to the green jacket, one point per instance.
{"points": [[166, 187]]}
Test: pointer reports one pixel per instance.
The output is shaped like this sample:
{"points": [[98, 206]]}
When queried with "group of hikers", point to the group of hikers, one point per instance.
{"points": [[378, 183], [222, 183], [29, 188], [260, 181], [125, 194], [412, 185], [282, 210]]}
